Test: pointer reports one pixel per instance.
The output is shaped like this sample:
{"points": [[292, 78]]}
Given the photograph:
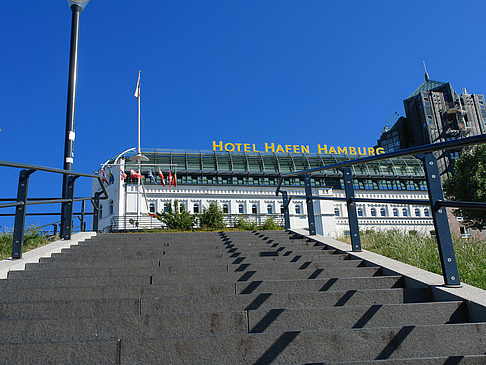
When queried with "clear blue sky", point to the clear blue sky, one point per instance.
{"points": [[293, 72]]}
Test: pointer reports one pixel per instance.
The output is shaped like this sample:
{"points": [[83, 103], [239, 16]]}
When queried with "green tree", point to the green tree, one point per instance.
{"points": [[212, 217], [177, 218], [469, 184]]}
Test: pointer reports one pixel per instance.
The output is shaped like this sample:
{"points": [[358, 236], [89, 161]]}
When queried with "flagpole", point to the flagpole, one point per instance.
{"points": [[138, 150], [138, 158], [139, 97]]}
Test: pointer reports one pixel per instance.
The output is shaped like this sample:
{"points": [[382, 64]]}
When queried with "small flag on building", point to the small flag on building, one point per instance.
{"points": [[135, 174], [170, 179], [112, 178], [152, 177], [162, 179], [123, 176], [175, 179], [104, 177]]}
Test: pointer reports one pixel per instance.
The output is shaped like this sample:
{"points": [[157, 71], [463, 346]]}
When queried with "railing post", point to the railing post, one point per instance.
{"points": [[67, 228], [441, 222], [83, 223], [96, 210], [351, 205], [19, 225], [310, 205], [285, 209], [55, 229]]}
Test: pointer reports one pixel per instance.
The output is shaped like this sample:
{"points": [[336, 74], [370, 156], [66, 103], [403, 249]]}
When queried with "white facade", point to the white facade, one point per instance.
{"points": [[119, 212]]}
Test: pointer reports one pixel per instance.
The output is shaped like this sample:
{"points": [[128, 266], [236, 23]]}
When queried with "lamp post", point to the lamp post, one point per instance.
{"points": [[77, 7]]}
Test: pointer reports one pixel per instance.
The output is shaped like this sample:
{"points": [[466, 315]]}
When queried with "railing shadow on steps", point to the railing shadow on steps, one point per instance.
{"points": [[21, 202], [434, 188]]}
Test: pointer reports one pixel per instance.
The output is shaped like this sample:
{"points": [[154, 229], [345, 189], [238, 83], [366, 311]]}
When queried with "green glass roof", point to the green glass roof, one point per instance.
{"points": [[268, 164], [427, 86]]}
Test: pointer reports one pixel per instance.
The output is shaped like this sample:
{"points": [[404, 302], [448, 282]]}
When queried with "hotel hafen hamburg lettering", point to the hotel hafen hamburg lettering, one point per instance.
{"points": [[220, 146], [242, 177]]}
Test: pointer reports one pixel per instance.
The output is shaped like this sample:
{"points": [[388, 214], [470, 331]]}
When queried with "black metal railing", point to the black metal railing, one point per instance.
{"points": [[21, 202], [434, 188]]}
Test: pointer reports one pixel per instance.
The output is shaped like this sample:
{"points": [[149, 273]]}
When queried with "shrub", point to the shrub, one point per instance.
{"points": [[271, 225], [175, 219], [244, 224], [212, 217]]}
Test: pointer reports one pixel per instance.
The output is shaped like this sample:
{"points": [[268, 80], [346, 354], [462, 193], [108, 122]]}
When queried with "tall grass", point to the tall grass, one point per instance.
{"points": [[33, 238], [421, 251]]}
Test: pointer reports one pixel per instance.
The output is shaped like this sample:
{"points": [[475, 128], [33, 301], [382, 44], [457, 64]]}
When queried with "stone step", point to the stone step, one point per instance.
{"points": [[266, 301], [227, 322], [157, 278], [450, 341], [191, 248], [143, 304], [296, 286], [363, 316], [292, 347], [124, 327], [237, 258], [210, 253], [16, 294], [48, 270], [232, 276], [175, 267]]}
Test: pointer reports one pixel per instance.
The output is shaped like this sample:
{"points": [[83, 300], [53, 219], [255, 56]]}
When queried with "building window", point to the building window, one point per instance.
{"points": [[373, 212], [336, 212], [225, 208], [417, 212], [196, 208], [383, 212], [297, 209], [360, 212], [254, 209], [269, 209], [152, 207], [111, 206], [166, 207], [241, 209], [395, 212], [405, 212], [181, 208], [426, 212]]}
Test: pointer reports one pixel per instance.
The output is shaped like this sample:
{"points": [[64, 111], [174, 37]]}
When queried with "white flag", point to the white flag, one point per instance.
{"points": [[137, 90]]}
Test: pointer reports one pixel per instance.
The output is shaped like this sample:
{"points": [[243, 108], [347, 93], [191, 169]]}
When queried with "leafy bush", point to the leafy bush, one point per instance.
{"points": [[212, 217], [174, 218], [245, 224], [271, 225]]}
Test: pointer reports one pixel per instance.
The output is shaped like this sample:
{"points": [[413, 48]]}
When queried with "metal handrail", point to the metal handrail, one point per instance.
{"points": [[54, 170], [21, 202], [463, 142], [436, 197]]}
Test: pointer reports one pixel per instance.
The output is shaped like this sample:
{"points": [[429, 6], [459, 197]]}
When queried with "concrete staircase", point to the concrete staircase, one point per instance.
{"points": [[225, 298]]}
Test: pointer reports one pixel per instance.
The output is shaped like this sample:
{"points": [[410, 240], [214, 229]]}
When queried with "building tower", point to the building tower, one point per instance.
{"points": [[436, 113]]}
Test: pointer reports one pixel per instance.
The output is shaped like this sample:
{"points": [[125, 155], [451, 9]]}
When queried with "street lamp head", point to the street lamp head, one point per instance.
{"points": [[80, 3]]}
